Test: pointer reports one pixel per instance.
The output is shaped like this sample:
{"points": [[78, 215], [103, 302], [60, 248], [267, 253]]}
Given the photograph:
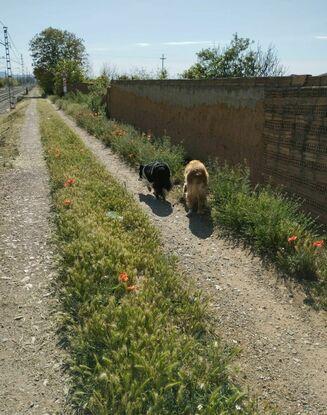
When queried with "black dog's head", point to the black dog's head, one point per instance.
{"points": [[141, 171]]}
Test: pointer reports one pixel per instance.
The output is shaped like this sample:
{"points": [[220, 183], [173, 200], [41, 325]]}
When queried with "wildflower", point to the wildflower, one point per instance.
{"points": [[318, 244], [57, 152], [69, 182], [123, 277], [292, 239], [119, 132], [132, 288], [67, 202]]}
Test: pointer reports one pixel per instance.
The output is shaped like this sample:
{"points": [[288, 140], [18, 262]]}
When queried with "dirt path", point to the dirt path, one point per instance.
{"points": [[283, 341], [31, 381]]}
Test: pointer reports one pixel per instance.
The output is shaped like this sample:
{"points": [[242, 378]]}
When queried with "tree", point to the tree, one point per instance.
{"points": [[162, 74], [109, 72], [49, 48], [237, 59], [71, 70], [142, 74]]}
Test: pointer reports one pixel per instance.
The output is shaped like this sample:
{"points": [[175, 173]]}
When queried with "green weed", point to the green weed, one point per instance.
{"points": [[10, 125], [134, 147], [272, 224], [139, 339]]}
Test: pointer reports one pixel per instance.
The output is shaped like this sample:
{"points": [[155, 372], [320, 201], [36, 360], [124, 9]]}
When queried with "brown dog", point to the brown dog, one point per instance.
{"points": [[196, 185]]}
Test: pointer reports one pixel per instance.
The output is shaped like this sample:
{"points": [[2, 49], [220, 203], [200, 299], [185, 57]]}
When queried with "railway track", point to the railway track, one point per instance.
{"points": [[17, 91]]}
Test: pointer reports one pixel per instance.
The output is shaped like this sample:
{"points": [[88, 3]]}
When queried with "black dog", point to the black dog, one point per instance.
{"points": [[157, 176]]}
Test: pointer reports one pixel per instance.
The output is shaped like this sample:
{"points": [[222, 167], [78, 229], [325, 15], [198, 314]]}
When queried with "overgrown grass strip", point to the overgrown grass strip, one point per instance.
{"points": [[265, 218], [10, 126], [274, 225], [139, 340], [132, 146]]}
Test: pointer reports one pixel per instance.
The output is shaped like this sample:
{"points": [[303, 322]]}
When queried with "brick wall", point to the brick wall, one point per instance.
{"points": [[278, 125], [295, 143]]}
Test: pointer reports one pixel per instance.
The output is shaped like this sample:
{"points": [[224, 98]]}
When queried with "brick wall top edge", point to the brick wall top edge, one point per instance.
{"points": [[297, 80]]}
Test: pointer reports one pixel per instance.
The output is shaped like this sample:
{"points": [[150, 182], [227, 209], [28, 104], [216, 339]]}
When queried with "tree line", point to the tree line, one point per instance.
{"points": [[59, 54]]}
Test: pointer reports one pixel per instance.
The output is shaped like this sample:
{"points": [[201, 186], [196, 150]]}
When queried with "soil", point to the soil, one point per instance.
{"points": [[283, 341], [32, 380]]}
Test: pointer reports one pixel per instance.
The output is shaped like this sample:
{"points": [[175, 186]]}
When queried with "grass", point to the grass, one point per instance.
{"points": [[139, 339], [262, 217], [134, 147], [10, 125], [274, 225]]}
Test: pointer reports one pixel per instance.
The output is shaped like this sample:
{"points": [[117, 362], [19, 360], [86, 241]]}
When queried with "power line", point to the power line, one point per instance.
{"points": [[18, 63], [23, 74], [8, 65], [12, 42]]}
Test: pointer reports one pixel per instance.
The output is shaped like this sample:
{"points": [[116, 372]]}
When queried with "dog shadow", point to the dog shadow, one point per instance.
{"points": [[159, 207], [200, 225]]}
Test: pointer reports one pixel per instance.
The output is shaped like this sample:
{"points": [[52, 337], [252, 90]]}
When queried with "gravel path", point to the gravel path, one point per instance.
{"points": [[283, 341], [31, 381]]}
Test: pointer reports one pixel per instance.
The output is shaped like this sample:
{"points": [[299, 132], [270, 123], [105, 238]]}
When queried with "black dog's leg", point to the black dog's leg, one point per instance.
{"points": [[158, 191]]}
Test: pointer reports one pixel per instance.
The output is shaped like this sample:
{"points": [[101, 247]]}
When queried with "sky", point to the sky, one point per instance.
{"points": [[130, 34]]}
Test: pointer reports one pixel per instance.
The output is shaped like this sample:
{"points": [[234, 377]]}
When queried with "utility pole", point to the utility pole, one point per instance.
{"points": [[8, 65], [64, 83], [23, 75], [162, 62]]}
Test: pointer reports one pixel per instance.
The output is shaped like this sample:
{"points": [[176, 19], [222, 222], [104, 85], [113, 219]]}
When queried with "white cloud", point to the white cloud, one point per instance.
{"points": [[321, 37], [142, 44], [99, 49], [191, 42]]}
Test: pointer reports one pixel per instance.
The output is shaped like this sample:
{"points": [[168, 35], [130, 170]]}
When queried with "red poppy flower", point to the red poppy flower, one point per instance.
{"points": [[123, 277], [69, 182], [119, 132], [292, 239], [67, 202], [319, 244]]}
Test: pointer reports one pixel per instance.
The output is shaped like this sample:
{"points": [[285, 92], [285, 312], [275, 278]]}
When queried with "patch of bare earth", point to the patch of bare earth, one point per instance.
{"points": [[283, 341], [31, 380]]}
